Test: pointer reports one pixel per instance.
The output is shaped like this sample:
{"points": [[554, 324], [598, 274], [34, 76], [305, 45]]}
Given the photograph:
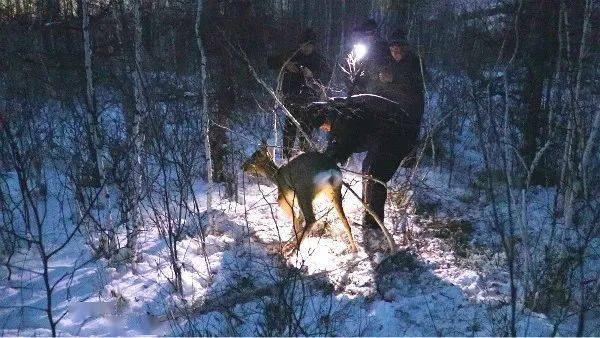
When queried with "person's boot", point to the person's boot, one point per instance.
{"points": [[374, 197], [373, 238], [370, 223]]}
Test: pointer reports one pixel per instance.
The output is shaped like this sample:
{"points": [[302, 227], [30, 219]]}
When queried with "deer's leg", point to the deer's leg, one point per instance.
{"points": [[305, 203], [286, 203], [336, 198]]}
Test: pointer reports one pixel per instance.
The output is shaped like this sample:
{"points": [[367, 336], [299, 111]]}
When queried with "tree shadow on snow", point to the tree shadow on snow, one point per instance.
{"points": [[256, 293]]}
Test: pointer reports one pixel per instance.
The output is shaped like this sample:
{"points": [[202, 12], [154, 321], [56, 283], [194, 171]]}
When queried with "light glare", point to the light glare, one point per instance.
{"points": [[359, 51]]}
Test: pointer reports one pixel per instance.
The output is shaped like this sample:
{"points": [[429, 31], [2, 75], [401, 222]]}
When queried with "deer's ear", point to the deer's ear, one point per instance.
{"points": [[263, 146], [266, 150]]}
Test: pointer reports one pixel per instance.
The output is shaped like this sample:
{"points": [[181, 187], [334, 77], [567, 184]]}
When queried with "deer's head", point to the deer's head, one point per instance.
{"points": [[260, 162]]}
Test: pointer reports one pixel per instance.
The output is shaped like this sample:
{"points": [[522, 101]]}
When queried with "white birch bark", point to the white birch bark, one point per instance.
{"points": [[92, 114], [276, 136], [136, 138], [205, 114], [108, 240], [571, 192]]}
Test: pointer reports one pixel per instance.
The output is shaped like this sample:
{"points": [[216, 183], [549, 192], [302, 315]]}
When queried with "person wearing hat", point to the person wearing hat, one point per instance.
{"points": [[386, 128], [376, 56], [400, 80], [302, 74]]}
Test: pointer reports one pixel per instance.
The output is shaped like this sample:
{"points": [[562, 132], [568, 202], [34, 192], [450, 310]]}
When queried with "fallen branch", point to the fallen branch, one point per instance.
{"points": [[386, 233]]}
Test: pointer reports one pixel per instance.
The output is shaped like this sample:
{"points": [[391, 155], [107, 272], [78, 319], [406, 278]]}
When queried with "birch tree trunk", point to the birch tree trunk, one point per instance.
{"points": [[205, 115], [136, 138], [107, 241], [91, 113], [591, 140], [587, 146]]}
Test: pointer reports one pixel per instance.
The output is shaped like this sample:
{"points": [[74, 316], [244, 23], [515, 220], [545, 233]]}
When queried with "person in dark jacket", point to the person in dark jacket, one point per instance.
{"points": [[386, 126], [376, 56], [401, 80], [303, 76]]}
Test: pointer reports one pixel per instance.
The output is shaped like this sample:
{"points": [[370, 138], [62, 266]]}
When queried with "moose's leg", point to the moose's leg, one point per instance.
{"points": [[336, 198]]}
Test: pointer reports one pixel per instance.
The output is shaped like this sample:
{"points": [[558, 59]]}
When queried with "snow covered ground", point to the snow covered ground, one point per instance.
{"points": [[445, 279]]}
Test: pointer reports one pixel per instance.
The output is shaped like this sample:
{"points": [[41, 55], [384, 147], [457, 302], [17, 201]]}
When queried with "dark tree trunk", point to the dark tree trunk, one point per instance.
{"points": [[222, 72], [219, 141], [540, 33]]}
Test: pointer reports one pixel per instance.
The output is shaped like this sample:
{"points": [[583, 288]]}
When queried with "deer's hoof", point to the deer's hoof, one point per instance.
{"points": [[290, 248], [353, 248], [273, 249]]}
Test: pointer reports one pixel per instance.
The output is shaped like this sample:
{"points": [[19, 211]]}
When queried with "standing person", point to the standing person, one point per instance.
{"points": [[387, 130], [376, 55], [402, 82], [301, 72], [401, 79]]}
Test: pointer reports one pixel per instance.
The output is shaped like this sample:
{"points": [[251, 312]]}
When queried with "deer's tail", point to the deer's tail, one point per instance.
{"points": [[332, 177]]}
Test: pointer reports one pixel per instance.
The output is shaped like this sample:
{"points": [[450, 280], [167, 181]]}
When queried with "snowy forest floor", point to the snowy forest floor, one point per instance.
{"points": [[447, 278]]}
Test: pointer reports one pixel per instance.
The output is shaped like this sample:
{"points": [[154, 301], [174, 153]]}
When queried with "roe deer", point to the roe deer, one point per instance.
{"points": [[300, 181]]}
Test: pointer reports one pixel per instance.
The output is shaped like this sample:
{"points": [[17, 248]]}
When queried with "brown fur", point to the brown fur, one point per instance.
{"points": [[296, 186]]}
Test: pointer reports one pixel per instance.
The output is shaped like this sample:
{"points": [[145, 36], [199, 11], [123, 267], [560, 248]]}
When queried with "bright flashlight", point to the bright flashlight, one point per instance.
{"points": [[359, 51]]}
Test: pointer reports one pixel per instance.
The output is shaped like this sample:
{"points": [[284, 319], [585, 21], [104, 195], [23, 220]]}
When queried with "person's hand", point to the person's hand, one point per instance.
{"points": [[292, 67], [307, 73], [386, 77]]}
